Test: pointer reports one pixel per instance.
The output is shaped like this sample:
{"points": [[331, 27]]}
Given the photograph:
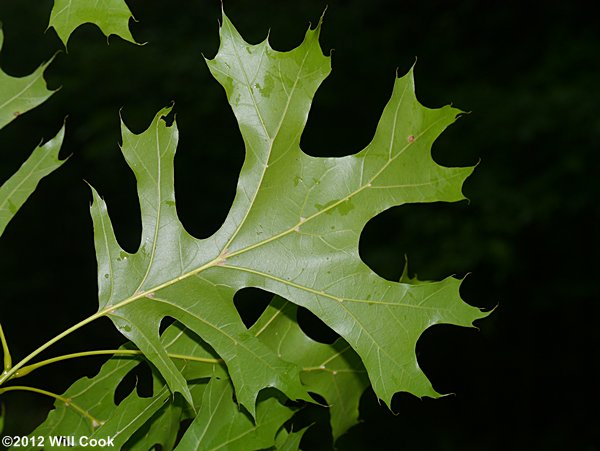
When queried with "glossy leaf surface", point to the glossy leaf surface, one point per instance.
{"points": [[293, 230]]}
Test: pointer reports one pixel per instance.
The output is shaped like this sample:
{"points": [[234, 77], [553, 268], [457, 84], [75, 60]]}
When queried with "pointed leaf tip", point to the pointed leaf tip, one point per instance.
{"points": [[17, 189], [21, 94]]}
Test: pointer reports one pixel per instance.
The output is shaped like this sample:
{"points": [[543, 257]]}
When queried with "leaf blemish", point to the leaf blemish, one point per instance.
{"points": [[97, 423], [222, 258], [411, 138]]}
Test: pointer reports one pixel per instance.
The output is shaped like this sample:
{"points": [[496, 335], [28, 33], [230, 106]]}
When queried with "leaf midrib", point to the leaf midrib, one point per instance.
{"points": [[158, 398], [224, 255], [25, 179], [29, 85], [271, 138]]}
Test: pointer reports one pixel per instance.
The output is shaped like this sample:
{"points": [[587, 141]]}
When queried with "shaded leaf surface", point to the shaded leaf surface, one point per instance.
{"points": [[93, 412], [131, 414], [289, 441], [333, 371], [91, 402], [220, 424], [161, 430], [111, 16]]}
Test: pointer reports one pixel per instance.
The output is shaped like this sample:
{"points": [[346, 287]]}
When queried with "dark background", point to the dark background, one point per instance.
{"points": [[528, 72]]}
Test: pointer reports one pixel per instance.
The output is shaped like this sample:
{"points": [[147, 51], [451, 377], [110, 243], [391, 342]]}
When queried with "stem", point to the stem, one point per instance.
{"points": [[5, 350], [140, 294], [95, 422], [10, 373], [117, 352]]}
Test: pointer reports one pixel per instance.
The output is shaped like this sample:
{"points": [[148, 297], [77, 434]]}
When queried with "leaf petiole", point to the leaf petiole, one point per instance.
{"points": [[6, 351], [95, 422], [10, 373], [115, 352]]}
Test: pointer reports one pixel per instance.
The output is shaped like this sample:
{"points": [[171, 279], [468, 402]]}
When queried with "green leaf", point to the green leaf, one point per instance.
{"points": [[220, 424], [21, 94], [333, 371], [293, 230], [167, 253], [179, 341], [142, 423], [289, 441], [131, 414], [405, 277], [15, 191], [141, 419], [111, 16], [91, 402], [160, 430]]}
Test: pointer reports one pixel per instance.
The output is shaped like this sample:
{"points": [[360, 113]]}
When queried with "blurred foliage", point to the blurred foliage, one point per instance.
{"points": [[526, 71]]}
